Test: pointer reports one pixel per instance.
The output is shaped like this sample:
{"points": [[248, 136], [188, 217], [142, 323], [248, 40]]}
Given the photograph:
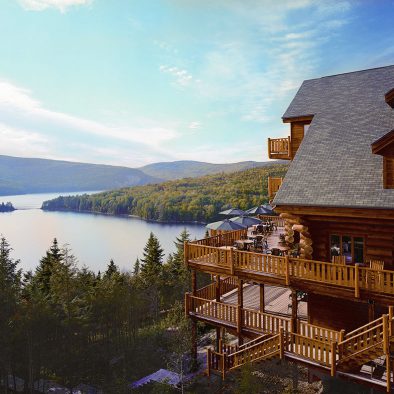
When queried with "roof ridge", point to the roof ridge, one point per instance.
{"points": [[350, 72]]}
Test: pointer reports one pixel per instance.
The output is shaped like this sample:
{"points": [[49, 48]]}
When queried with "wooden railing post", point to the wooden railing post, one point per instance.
{"points": [[281, 343], [357, 281], [391, 315], [231, 262], [287, 270], [239, 321], [386, 340], [209, 362], [334, 346], [224, 356], [386, 349], [289, 146]]}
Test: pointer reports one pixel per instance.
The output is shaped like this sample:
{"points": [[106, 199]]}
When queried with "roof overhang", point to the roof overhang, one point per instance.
{"points": [[384, 146], [304, 118], [389, 97]]}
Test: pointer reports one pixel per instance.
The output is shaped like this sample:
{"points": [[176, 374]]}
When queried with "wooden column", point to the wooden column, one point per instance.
{"points": [[240, 306], [371, 310], [218, 339], [262, 298], [194, 282], [217, 288], [294, 308]]}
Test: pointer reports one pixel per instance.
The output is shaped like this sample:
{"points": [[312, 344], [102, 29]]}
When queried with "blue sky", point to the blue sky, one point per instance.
{"points": [[133, 82]]}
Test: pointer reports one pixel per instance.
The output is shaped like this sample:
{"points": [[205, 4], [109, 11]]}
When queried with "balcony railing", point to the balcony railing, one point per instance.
{"points": [[279, 148], [286, 269], [274, 185]]}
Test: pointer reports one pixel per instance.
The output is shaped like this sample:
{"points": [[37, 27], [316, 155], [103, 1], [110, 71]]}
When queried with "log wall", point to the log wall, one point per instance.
{"points": [[378, 238]]}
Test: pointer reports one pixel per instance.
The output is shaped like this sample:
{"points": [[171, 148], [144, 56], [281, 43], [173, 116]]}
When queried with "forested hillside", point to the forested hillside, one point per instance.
{"points": [[190, 168], [24, 175], [190, 199]]}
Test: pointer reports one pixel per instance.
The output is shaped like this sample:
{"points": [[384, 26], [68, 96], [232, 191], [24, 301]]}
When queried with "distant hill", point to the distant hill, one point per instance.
{"points": [[30, 175], [184, 200], [24, 175], [189, 168]]}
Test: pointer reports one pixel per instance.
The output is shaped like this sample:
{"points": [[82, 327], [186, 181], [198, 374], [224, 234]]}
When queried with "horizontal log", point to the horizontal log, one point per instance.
{"points": [[300, 228], [286, 215], [306, 242], [380, 252]]}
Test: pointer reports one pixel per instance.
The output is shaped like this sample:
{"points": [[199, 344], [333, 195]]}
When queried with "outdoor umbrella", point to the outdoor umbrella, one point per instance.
{"points": [[232, 212], [246, 220], [259, 211], [225, 225]]}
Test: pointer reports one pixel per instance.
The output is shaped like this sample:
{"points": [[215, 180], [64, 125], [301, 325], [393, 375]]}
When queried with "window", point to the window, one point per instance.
{"points": [[346, 245]]}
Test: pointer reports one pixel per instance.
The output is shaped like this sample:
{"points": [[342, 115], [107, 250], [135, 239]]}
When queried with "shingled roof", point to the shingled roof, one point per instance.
{"points": [[334, 165]]}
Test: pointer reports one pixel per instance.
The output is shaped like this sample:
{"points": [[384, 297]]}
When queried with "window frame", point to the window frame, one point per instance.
{"points": [[351, 236]]}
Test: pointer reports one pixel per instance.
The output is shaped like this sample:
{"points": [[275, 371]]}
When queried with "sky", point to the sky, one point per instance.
{"points": [[132, 82]]}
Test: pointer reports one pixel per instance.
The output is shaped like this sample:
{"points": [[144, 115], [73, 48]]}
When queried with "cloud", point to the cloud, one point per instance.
{"points": [[251, 71], [22, 110], [194, 125], [61, 5], [22, 142], [182, 77]]}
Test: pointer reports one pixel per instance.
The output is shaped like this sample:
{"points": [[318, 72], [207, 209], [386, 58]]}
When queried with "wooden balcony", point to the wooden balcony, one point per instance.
{"points": [[273, 186], [336, 352], [279, 148], [326, 278]]}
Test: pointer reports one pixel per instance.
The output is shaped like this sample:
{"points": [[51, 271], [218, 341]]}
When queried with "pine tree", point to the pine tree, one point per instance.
{"points": [[137, 267], [44, 270], [112, 269], [152, 260]]}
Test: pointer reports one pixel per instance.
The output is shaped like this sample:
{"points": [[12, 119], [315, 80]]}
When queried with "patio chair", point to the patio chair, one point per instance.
{"points": [[339, 260], [374, 277]]}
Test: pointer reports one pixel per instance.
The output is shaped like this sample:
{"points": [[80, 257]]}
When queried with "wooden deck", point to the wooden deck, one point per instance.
{"points": [[277, 300], [325, 278]]}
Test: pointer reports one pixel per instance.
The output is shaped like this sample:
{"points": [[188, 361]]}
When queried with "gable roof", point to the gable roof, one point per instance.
{"points": [[385, 145], [334, 165]]}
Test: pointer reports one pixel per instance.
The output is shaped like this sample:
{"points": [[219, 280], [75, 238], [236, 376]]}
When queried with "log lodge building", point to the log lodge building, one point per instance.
{"points": [[337, 203]]}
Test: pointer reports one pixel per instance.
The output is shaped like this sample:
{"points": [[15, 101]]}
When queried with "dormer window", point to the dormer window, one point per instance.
{"points": [[389, 97], [385, 147]]}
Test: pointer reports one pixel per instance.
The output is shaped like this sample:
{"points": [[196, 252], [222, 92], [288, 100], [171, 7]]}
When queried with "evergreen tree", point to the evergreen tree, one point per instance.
{"points": [[112, 269], [152, 261], [44, 270], [137, 267]]}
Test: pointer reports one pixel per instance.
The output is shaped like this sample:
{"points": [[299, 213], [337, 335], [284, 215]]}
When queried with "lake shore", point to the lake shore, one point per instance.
{"points": [[120, 215]]}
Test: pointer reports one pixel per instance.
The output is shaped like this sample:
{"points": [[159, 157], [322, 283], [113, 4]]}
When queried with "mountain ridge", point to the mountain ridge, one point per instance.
{"points": [[20, 175]]}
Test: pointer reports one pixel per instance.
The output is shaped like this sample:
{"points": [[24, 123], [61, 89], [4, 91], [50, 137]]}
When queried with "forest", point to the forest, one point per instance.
{"points": [[185, 200], [7, 207], [73, 326]]}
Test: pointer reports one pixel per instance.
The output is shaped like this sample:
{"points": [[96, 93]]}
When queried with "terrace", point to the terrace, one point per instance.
{"points": [[216, 255]]}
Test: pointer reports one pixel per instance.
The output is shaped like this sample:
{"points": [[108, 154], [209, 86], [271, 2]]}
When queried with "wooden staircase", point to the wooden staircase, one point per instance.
{"points": [[333, 351]]}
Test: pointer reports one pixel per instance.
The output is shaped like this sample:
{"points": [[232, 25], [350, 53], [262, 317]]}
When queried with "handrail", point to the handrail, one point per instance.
{"points": [[317, 332], [209, 292], [252, 342], [313, 349], [363, 328], [347, 276], [264, 322], [261, 350], [279, 146]]}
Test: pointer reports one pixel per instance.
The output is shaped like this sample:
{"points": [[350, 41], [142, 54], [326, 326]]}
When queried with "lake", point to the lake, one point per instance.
{"points": [[93, 238]]}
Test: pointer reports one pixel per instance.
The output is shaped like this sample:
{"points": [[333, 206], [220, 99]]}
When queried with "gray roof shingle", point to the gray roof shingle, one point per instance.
{"points": [[334, 165]]}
